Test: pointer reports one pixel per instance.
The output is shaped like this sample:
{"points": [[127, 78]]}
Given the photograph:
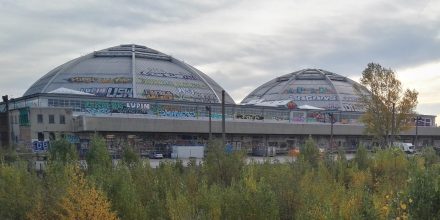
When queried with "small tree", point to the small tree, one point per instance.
{"points": [[385, 103], [98, 157], [310, 152], [62, 150]]}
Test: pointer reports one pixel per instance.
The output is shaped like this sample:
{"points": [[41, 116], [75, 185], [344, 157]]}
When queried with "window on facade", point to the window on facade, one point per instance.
{"points": [[51, 119], [40, 136], [51, 136], [40, 118], [62, 119]]}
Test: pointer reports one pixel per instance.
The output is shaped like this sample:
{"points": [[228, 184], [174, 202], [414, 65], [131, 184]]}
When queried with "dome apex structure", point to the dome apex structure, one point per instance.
{"points": [[131, 71], [314, 87]]}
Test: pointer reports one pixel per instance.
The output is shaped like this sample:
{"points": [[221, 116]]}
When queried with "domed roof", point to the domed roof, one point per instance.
{"points": [[131, 71], [313, 87]]}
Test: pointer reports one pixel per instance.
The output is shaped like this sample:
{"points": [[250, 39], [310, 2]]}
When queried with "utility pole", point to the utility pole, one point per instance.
{"points": [[331, 130], [223, 119], [5, 99], [209, 109], [416, 119]]}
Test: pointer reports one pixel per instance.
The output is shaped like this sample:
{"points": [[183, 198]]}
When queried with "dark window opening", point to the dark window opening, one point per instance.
{"points": [[51, 119], [40, 118], [62, 119], [40, 136], [51, 136]]}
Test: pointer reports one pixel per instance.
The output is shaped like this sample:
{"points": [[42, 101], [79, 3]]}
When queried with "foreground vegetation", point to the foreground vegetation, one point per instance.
{"points": [[386, 185]]}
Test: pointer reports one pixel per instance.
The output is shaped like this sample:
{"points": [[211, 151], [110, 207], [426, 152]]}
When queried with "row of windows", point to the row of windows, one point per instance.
{"points": [[40, 119]]}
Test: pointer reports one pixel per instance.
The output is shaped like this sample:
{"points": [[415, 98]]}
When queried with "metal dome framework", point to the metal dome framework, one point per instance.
{"points": [[132, 71], [316, 87]]}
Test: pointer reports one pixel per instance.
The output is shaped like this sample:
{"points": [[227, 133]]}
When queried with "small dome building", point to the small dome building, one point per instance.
{"points": [[131, 71], [313, 87]]}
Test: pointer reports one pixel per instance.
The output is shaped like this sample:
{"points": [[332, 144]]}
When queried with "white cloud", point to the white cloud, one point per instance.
{"points": [[241, 44]]}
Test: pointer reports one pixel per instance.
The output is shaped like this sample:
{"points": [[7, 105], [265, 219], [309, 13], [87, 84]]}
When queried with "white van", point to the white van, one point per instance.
{"points": [[406, 147]]}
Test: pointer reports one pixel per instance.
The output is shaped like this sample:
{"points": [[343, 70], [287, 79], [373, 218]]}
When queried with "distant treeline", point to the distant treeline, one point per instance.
{"points": [[385, 185]]}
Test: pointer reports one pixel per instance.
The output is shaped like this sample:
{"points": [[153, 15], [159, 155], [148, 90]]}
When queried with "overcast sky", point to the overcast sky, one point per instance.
{"points": [[240, 44]]}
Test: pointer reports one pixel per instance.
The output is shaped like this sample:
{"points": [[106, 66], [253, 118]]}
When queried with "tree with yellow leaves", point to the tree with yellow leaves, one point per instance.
{"points": [[388, 110], [82, 200]]}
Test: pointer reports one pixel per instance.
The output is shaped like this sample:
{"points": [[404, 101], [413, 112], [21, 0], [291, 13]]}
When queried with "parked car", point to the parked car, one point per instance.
{"points": [[406, 147], [156, 155]]}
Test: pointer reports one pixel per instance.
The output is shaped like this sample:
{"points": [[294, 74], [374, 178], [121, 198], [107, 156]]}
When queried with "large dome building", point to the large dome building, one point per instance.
{"points": [[137, 95], [313, 87], [131, 71]]}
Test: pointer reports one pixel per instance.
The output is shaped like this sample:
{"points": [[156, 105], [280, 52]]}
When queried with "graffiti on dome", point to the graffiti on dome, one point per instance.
{"points": [[157, 72], [314, 98], [175, 84], [87, 79], [114, 92], [310, 90], [351, 99], [351, 107], [186, 94], [158, 94]]}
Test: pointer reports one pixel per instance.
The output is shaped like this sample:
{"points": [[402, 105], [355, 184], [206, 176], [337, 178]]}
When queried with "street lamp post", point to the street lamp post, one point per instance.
{"points": [[208, 108], [416, 119], [5, 99], [393, 124], [332, 121]]}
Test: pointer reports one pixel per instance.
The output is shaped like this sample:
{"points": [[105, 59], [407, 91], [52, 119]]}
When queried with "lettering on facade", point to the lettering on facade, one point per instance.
{"points": [[115, 80], [138, 105], [157, 72], [114, 92]]}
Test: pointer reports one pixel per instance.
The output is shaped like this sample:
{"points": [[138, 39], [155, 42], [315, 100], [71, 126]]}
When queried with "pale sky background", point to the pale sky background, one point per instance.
{"points": [[241, 44]]}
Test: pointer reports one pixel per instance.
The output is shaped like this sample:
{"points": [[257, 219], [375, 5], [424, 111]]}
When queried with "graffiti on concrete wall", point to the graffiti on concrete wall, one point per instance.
{"points": [[40, 146], [315, 117], [103, 80], [100, 107], [172, 111], [249, 116], [73, 139]]}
